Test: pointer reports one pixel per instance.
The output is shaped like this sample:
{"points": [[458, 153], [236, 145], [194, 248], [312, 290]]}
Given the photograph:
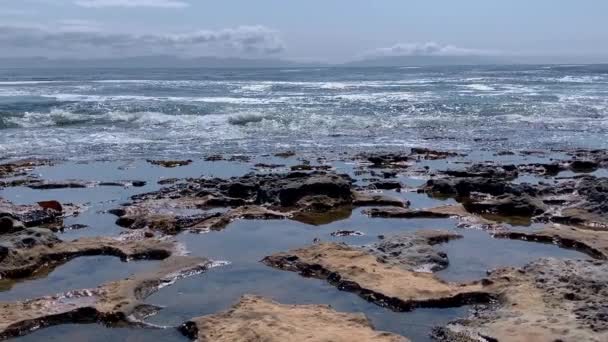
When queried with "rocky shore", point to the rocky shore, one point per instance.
{"points": [[549, 197]]}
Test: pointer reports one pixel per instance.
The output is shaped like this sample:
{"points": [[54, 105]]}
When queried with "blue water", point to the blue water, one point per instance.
{"points": [[126, 113]]}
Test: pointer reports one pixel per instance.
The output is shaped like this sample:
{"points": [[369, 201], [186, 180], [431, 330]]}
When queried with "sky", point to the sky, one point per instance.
{"points": [[311, 30]]}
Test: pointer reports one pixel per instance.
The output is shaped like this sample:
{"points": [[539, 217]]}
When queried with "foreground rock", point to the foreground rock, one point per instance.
{"points": [[258, 319], [548, 300], [47, 212], [387, 274], [120, 301], [591, 242], [32, 249]]}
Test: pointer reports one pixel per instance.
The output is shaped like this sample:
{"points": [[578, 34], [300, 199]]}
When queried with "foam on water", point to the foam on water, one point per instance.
{"points": [[257, 109]]}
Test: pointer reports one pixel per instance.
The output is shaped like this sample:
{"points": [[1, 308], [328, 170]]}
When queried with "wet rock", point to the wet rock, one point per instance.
{"points": [[506, 172], [9, 225], [256, 318], [463, 187], [21, 168], [389, 285], [362, 199], [548, 300], [33, 249], [584, 166], [430, 154], [414, 252], [112, 303], [285, 154], [50, 185], [30, 215], [308, 167], [268, 166], [386, 185], [388, 160], [214, 157], [342, 233], [547, 169], [288, 190], [505, 205], [170, 163], [392, 212]]}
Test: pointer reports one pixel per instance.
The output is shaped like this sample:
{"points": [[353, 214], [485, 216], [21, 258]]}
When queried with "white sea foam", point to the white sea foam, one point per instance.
{"points": [[3, 83], [479, 87], [580, 79]]}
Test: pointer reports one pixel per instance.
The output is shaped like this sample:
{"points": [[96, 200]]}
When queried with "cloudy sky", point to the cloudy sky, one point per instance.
{"points": [[321, 30]]}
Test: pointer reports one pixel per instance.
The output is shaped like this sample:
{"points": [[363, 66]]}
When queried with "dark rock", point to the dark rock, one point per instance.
{"points": [[170, 163], [341, 233], [386, 185], [506, 205], [584, 165]]}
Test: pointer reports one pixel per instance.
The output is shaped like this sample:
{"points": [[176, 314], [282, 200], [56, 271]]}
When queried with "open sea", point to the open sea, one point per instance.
{"points": [[97, 114]]}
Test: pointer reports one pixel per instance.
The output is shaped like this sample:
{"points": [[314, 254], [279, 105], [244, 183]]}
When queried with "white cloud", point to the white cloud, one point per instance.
{"points": [[132, 3], [426, 49], [82, 39]]}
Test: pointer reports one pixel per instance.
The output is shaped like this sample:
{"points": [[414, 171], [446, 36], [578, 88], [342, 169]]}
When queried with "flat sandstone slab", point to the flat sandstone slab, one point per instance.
{"points": [[546, 301], [117, 301], [258, 319], [391, 283]]}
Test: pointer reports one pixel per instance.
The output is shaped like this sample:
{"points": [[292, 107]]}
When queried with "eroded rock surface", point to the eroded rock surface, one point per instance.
{"points": [[33, 249], [310, 197], [387, 273], [36, 214], [592, 242], [548, 300], [255, 318], [119, 301]]}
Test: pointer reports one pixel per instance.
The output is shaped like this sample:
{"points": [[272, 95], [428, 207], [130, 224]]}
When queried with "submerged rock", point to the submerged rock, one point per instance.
{"points": [[115, 302], [414, 252], [363, 199], [170, 163], [256, 318]]}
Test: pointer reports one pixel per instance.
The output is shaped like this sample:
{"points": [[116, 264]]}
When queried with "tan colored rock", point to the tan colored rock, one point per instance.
{"points": [[592, 242], [23, 262], [358, 270], [258, 319], [548, 300], [118, 301]]}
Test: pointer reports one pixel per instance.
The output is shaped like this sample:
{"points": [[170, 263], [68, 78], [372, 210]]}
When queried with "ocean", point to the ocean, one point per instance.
{"points": [[95, 114]]}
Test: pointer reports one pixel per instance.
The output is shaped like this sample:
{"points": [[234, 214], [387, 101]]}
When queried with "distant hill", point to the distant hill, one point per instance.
{"points": [[147, 62], [396, 61]]}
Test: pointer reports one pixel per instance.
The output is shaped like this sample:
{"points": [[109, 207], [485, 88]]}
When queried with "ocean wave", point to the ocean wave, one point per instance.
{"points": [[479, 87], [5, 83], [580, 79]]}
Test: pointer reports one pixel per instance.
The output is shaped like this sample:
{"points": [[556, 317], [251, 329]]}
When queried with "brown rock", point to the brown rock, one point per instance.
{"points": [[113, 302], [258, 319], [393, 286]]}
